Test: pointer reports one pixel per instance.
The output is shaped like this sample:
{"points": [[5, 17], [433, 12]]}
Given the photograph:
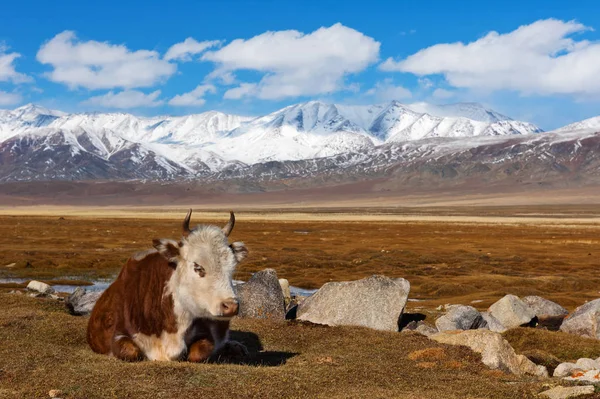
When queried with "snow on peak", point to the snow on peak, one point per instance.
{"points": [[474, 111], [586, 124]]}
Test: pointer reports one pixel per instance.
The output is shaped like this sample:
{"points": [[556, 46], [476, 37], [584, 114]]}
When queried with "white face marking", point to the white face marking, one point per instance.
{"points": [[208, 248]]}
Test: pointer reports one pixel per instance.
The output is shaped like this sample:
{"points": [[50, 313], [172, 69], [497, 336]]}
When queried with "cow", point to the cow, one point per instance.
{"points": [[173, 302]]}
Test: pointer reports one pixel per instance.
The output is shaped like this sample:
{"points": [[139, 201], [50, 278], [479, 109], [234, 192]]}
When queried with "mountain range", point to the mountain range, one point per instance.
{"points": [[313, 142]]}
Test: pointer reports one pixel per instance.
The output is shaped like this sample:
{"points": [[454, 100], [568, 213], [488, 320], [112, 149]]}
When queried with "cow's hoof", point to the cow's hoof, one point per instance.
{"points": [[234, 349]]}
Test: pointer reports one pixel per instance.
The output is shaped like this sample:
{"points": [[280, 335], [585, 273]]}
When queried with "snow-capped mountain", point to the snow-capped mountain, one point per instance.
{"points": [[35, 141]]}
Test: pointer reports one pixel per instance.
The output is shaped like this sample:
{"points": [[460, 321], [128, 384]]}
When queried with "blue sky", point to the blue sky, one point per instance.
{"points": [[533, 60]]}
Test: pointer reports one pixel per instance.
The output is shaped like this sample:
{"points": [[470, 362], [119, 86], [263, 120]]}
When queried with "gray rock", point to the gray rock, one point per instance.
{"points": [[261, 297], [460, 317], [493, 324], [544, 308], [587, 364], [376, 302], [584, 321], [511, 312], [40, 287], [567, 392], [495, 351], [81, 302], [550, 314], [564, 369]]}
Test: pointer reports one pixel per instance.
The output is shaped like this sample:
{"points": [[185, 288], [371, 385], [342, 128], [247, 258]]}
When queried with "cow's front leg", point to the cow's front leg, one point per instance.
{"points": [[125, 349], [233, 349], [200, 350]]}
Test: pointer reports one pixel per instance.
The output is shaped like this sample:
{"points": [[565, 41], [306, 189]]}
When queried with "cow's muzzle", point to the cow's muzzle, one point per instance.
{"points": [[229, 307]]}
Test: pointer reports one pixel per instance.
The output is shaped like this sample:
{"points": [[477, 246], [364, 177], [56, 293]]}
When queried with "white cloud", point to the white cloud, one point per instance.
{"points": [[7, 67], [9, 98], [296, 64], [101, 65], [194, 97], [185, 50], [243, 90], [442, 94], [387, 91], [125, 99], [540, 58]]}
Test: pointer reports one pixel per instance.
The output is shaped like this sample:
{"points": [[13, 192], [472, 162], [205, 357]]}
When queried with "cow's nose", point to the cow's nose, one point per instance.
{"points": [[229, 307]]}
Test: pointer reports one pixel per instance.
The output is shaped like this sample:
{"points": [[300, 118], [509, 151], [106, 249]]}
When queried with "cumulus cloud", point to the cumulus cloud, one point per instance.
{"points": [[125, 100], [9, 98], [387, 91], [100, 65], [295, 64], [194, 97], [540, 58], [8, 72], [185, 50]]}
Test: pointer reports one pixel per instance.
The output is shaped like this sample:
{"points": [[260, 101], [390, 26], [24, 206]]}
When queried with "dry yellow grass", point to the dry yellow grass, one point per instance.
{"points": [[44, 348]]}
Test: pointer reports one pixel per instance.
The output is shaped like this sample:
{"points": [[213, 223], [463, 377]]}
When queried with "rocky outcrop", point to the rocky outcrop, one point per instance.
{"points": [[376, 302], [584, 321], [550, 314], [512, 312], [495, 351]]}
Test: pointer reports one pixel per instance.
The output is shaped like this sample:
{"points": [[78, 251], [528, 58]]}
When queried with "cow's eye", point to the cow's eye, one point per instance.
{"points": [[199, 269]]}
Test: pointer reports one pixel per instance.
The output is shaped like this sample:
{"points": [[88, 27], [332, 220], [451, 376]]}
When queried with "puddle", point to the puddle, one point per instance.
{"points": [[97, 285], [101, 285]]}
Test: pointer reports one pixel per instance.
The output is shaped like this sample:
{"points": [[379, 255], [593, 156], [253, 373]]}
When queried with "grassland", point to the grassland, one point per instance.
{"points": [[450, 255]]}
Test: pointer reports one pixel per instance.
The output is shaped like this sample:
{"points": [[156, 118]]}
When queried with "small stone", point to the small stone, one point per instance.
{"points": [[460, 317], [55, 393], [564, 369], [40, 287], [589, 376], [587, 364], [496, 352], [81, 302], [568, 392]]}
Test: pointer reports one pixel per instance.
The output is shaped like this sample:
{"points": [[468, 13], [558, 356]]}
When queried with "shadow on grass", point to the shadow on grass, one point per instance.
{"points": [[256, 356]]}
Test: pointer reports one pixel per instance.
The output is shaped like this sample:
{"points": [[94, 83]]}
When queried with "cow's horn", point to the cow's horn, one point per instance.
{"points": [[229, 226], [186, 224]]}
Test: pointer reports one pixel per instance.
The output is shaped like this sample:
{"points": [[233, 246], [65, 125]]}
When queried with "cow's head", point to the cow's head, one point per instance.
{"points": [[204, 263]]}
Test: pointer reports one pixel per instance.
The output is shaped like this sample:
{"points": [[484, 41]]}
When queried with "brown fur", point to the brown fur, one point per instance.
{"points": [[134, 303]]}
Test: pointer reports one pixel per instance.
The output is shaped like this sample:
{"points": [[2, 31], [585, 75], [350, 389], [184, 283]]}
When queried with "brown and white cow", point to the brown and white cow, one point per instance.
{"points": [[173, 302]]}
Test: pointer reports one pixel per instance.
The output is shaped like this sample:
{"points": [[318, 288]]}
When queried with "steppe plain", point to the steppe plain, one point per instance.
{"points": [[470, 252]]}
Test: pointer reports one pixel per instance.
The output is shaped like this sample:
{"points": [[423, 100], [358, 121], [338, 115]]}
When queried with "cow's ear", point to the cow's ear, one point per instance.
{"points": [[239, 250], [167, 248]]}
